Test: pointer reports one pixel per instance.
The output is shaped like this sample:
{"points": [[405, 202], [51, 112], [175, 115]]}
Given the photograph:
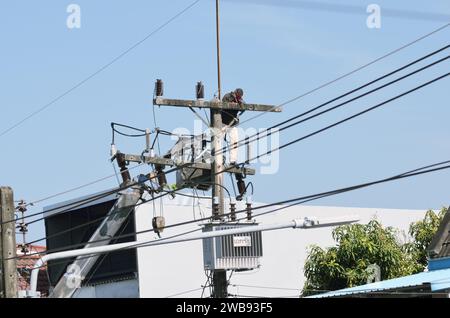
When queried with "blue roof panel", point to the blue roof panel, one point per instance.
{"points": [[438, 279]]}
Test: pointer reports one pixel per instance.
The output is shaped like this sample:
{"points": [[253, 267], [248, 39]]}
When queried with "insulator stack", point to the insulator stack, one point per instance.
{"points": [[159, 88], [200, 90], [249, 208]]}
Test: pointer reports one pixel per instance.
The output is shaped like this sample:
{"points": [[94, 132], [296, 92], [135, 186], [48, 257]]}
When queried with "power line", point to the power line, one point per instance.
{"points": [[347, 119], [419, 171], [323, 129], [80, 186], [268, 131], [289, 101], [300, 96], [353, 71], [77, 203], [88, 223], [338, 123], [295, 201], [112, 238], [101, 69], [110, 176], [353, 116], [185, 292], [150, 243]]}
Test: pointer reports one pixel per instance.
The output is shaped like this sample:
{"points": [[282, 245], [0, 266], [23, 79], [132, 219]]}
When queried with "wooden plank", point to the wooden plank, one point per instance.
{"points": [[215, 105]]}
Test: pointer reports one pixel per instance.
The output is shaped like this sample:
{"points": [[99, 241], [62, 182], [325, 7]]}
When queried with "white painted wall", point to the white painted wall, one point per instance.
{"points": [[171, 269]]}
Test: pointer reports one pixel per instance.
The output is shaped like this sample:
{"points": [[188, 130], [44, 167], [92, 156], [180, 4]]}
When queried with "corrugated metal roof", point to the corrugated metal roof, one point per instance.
{"points": [[438, 280]]}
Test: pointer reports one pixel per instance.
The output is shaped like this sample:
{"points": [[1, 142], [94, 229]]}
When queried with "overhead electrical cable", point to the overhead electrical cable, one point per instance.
{"points": [[101, 69], [354, 70], [294, 201], [267, 132]]}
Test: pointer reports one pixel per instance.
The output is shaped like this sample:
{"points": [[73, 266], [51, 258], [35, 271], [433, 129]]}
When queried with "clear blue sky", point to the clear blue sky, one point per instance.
{"points": [[274, 51]]}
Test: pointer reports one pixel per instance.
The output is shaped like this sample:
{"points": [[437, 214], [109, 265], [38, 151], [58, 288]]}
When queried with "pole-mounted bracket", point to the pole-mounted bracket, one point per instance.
{"points": [[215, 104], [195, 165]]}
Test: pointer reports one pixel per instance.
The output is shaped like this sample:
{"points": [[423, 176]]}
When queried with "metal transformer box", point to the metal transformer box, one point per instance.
{"points": [[232, 252]]}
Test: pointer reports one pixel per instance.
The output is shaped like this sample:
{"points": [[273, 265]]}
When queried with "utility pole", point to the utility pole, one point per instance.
{"points": [[217, 167], [219, 277], [8, 262]]}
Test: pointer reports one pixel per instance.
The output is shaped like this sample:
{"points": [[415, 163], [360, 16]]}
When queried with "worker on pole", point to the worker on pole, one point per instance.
{"points": [[230, 119]]}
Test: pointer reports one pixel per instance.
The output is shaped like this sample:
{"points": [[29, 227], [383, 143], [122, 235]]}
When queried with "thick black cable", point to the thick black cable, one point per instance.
{"points": [[333, 125], [267, 131], [435, 52], [85, 224], [348, 118], [295, 201], [355, 70], [89, 199], [150, 243], [113, 238], [97, 220], [115, 130], [76, 204], [353, 116], [315, 196], [333, 99]]}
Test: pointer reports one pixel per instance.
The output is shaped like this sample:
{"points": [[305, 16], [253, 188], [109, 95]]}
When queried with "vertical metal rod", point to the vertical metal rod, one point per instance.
{"points": [[219, 86]]}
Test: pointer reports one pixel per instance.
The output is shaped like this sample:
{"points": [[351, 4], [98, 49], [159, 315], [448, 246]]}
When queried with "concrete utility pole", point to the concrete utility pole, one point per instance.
{"points": [[219, 278], [8, 262], [217, 166]]}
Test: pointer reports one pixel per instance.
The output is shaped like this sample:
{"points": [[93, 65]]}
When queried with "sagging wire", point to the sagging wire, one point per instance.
{"points": [[208, 283], [191, 184], [229, 278], [249, 184], [114, 131]]}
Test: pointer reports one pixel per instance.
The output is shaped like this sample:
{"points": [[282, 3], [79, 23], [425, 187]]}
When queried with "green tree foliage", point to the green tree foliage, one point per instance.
{"points": [[360, 245], [422, 232]]}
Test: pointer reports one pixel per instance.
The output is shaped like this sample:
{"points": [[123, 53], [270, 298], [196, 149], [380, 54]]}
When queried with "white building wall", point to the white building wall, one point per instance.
{"points": [[176, 268]]}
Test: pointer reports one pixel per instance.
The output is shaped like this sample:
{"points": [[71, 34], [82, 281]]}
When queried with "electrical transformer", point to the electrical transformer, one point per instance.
{"points": [[232, 252]]}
